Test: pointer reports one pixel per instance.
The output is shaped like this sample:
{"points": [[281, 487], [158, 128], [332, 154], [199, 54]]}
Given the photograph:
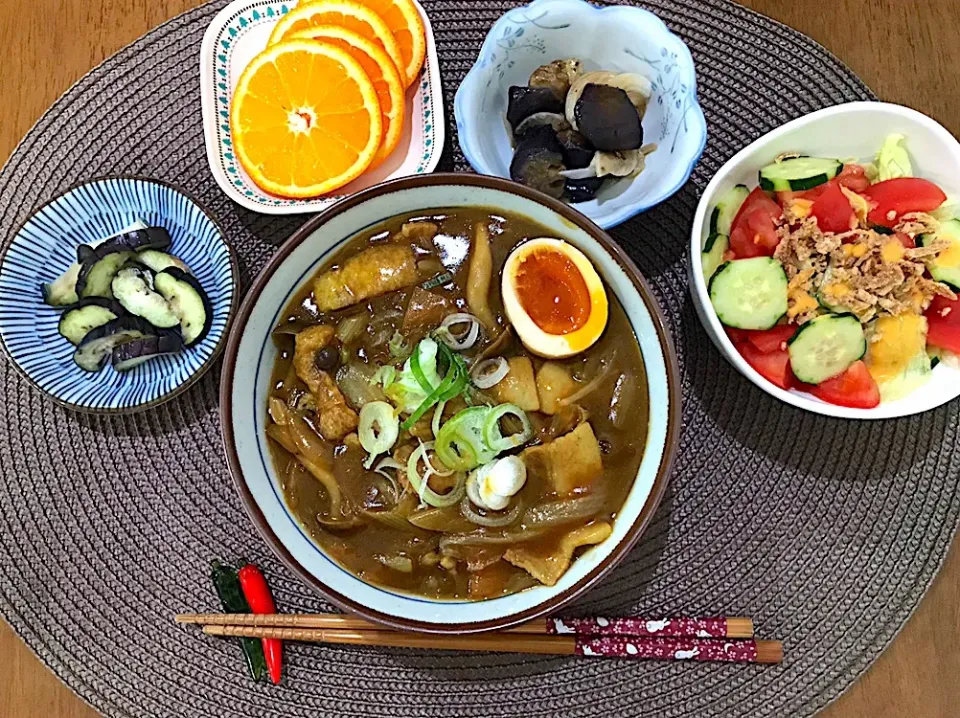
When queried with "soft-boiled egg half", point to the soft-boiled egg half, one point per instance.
{"points": [[553, 297]]}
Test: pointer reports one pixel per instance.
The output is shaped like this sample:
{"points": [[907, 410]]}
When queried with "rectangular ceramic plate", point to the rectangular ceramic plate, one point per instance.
{"points": [[237, 34]]}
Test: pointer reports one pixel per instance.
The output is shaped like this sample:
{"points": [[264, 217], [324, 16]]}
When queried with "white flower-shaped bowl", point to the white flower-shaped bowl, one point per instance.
{"points": [[855, 129], [620, 39]]}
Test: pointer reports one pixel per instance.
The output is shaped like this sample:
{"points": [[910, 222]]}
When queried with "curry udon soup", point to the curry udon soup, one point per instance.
{"points": [[457, 409]]}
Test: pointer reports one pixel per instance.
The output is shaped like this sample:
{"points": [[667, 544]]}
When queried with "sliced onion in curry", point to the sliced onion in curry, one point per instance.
{"points": [[490, 519]]}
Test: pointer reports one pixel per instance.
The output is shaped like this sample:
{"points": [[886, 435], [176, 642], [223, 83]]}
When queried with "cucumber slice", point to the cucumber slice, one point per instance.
{"points": [[798, 174], [725, 211], [712, 255], [749, 293], [826, 346], [945, 267]]}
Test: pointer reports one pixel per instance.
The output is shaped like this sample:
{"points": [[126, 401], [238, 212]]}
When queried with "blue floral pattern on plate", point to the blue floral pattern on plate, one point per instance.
{"points": [[46, 245], [625, 39]]}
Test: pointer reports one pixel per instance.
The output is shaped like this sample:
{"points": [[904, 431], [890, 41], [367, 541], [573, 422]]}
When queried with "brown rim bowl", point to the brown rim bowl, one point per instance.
{"points": [[245, 384]]}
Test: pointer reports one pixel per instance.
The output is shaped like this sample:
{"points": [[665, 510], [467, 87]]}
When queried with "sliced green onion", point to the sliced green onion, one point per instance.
{"points": [[437, 417], [460, 443], [418, 370], [421, 482], [399, 349], [378, 429], [493, 436], [453, 383], [384, 376]]}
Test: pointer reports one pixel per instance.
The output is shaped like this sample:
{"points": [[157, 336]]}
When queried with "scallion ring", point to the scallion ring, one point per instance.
{"points": [[463, 339], [460, 443], [489, 372], [378, 429], [421, 482], [492, 519], [493, 436]]}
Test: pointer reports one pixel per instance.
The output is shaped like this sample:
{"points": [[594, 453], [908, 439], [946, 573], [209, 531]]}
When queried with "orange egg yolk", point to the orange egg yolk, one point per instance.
{"points": [[552, 292]]}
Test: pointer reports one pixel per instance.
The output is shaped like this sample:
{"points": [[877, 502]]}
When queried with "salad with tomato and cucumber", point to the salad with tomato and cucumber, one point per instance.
{"points": [[836, 277]]}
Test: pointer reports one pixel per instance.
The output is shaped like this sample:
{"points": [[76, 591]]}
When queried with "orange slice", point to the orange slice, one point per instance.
{"points": [[305, 119], [404, 21], [345, 13], [381, 71]]}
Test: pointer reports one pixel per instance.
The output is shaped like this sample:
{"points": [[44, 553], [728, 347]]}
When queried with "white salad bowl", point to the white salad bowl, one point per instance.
{"points": [[250, 356], [853, 130], [620, 39]]}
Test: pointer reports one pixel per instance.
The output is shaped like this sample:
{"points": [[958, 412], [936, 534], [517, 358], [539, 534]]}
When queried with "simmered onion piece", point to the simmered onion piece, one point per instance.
{"points": [[490, 519], [459, 339], [489, 372]]}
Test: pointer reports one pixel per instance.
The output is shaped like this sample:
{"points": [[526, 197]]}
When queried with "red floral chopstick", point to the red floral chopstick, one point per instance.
{"points": [[652, 627], [674, 648]]}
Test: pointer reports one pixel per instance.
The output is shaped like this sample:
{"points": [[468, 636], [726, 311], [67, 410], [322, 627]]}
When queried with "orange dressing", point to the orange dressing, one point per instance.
{"points": [[552, 292]]}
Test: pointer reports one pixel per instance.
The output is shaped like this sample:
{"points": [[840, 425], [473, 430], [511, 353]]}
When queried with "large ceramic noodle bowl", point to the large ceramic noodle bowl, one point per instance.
{"points": [[450, 404]]}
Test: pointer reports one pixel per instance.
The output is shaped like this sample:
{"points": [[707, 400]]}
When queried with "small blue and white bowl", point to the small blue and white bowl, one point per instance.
{"points": [[619, 39], [46, 245]]}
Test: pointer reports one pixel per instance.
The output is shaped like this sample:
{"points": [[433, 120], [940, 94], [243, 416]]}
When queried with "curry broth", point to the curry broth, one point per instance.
{"points": [[617, 409]]}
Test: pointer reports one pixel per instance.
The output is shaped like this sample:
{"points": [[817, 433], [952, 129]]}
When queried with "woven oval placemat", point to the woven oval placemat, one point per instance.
{"points": [[827, 532]]}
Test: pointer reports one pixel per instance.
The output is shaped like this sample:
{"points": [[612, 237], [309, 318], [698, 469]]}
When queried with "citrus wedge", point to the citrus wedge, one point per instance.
{"points": [[345, 13], [381, 71], [404, 21], [305, 119]]}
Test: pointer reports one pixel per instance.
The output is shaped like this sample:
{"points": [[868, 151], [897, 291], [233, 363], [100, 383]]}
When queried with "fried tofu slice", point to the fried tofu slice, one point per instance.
{"points": [[547, 562], [374, 271], [336, 419], [518, 387], [571, 462]]}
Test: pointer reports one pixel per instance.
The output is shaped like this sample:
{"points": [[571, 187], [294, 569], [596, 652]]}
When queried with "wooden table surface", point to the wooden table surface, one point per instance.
{"points": [[45, 45]]}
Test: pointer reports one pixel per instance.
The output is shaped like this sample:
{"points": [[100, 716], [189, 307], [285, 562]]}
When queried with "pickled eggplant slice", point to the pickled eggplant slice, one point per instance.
{"points": [[87, 314], [577, 152], [583, 190], [188, 302], [538, 162], [133, 287], [607, 118], [557, 76], [526, 101], [98, 269], [158, 261], [92, 352], [126, 356]]}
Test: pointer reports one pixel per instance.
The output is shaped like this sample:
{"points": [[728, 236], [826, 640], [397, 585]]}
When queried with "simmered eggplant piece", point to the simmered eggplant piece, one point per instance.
{"points": [[583, 190], [554, 120], [92, 352], [87, 314], [538, 162], [63, 290], [137, 240], [577, 152], [98, 268], [557, 76], [526, 101], [134, 289], [158, 261], [137, 351], [188, 302], [607, 118]]}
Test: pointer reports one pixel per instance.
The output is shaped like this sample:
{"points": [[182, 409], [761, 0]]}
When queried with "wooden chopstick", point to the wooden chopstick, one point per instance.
{"points": [[732, 627], [672, 648]]}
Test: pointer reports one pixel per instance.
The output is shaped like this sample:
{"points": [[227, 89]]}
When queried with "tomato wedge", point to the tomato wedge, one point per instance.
{"points": [[906, 240], [943, 324], [772, 366], [753, 233], [854, 388], [771, 340], [896, 197], [832, 210], [737, 335]]}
